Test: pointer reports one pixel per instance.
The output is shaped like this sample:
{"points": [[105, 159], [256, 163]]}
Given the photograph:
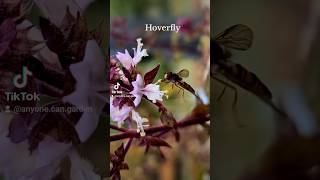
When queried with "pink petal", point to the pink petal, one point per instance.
{"points": [[119, 115], [139, 53], [125, 59], [138, 84], [152, 91]]}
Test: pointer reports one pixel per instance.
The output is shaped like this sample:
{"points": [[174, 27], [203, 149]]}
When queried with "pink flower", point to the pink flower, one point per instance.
{"points": [[141, 122], [119, 114], [128, 61], [152, 91]]}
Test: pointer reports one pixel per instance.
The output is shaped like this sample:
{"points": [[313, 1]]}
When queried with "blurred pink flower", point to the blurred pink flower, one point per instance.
{"points": [[186, 25], [152, 91], [128, 61], [119, 114], [91, 88], [16, 162]]}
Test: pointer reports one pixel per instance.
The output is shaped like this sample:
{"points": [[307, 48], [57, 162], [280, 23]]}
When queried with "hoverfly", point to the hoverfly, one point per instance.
{"points": [[177, 80], [237, 37]]}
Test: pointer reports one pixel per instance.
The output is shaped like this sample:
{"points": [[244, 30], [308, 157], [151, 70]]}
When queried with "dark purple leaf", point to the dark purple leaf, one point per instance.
{"points": [[67, 22], [126, 101], [18, 129], [126, 73], [7, 35], [118, 164], [120, 152], [116, 176], [53, 35], [168, 119], [3, 48], [149, 76], [60, 126], [124, 166], [7, 31], [156, 141]]}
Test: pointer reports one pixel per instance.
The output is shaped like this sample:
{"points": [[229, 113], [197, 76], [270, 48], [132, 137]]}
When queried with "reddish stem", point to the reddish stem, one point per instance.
{"points": [[126, 149], [189, 121], [118, 128]]}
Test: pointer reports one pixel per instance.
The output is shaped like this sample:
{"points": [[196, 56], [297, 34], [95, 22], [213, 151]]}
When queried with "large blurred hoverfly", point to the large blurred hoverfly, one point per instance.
{"points": [[238, 37], [177, 80]]}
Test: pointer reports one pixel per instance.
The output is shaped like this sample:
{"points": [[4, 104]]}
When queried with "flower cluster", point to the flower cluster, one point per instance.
{"points": [[128, 87], [68, 70]]}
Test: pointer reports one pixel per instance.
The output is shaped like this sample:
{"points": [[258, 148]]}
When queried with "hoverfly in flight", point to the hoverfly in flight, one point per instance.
{"points": [[177, 80], [237, 37]]}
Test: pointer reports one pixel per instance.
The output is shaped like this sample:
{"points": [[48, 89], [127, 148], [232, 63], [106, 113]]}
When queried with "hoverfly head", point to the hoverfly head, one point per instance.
{"points": [[166, 76]]}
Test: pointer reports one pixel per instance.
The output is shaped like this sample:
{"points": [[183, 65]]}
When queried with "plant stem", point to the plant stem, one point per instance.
{"points": [[126, 149], [118, 128], [189, 121]]}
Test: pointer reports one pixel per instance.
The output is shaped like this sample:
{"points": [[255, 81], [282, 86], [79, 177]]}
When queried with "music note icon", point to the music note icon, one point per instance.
{"points": [[20, 80], [116, 87]]}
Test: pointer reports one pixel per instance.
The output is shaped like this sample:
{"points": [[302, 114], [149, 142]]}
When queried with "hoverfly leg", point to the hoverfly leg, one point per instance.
{"points": [[234, 104], [235, 100], [221, 94], [180, 89]]}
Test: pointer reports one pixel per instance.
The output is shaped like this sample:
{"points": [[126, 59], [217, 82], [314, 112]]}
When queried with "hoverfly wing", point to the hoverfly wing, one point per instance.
{"points": [[247, 80], [237, 37], [183, 73], [187, 87]]}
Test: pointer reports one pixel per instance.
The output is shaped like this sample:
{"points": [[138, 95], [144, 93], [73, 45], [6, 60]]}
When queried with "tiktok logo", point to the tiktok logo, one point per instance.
{"points": [[116, 87], [20, 80], [116, 92]]}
